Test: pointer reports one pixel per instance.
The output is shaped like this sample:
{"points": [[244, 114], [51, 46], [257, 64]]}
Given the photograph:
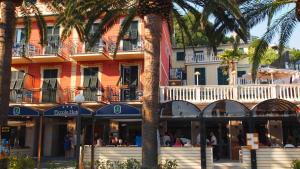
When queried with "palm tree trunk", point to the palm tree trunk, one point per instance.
{"points": [[150, 114], [7, 29], [298, 10]]}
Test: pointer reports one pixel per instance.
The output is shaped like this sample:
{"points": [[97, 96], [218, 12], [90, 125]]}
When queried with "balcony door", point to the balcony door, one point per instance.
{"points": [[16, 85], [19, 46], [49, 86], [53, 40], [222, 78], [129, 82], [130, 40], [98, 46], [90, 83]]}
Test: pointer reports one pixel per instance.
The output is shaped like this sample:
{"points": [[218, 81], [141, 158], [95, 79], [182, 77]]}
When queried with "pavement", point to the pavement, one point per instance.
{"points": [[226, 164]]}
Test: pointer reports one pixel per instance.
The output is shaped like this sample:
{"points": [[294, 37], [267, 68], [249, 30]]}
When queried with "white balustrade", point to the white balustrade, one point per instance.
{"points": [[242, 93]]}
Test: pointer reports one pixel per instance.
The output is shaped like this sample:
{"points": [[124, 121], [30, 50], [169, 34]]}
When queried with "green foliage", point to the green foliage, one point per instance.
{"points": [[269, 56], [294, 55], [181, 39], [128, 164], [169, 164], [21, 163], [296, 164]]}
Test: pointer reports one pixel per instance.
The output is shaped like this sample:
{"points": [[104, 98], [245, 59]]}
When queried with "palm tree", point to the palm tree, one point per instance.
{"points": [[153, 13], [257, 11], [229, 59], [295, 56], [7, 30]]}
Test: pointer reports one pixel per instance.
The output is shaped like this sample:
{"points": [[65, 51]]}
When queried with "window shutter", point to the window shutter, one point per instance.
{"points": [[94, 82], [53, 83], [19, 84], [46, 83]]}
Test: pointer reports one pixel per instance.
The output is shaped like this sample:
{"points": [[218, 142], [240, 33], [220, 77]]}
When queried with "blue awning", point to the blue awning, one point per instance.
{"points": [[17, 111], [118, 110], [67, 110]]}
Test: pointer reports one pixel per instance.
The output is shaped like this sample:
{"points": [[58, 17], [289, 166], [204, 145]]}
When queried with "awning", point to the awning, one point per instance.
{"points": [[18, 111], [67, 110], [118, 111], [179, 109]]}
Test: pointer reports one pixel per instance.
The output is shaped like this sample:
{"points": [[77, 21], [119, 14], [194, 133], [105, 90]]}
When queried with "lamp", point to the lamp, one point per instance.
{"points": [[197, 74], [78, 99]]}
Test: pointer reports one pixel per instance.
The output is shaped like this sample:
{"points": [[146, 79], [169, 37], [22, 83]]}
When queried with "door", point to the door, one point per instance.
{"points": [[201, 77], [90, 83], [222, 78], [53, 40], [49, 86], [130, 40], [129, 81], [16, 85]]}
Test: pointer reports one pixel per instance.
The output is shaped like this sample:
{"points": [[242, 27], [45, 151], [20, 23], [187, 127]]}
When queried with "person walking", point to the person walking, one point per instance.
{"points": [[214, 144], [67, 145]]}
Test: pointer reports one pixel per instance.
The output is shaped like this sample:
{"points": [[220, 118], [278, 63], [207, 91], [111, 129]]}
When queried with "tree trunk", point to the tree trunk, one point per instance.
{"points": [[153, 26], [7, 29], [298, 10]]}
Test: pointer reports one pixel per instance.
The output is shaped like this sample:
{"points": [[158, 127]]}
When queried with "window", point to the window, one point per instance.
{"points": [[222, 77], [130, 39], [16, 85], [129, 81], [90, 83], [49, 86], [241, 73], [201, 77], [180, 56], [20, 35], [98, 46], [53, 40]]}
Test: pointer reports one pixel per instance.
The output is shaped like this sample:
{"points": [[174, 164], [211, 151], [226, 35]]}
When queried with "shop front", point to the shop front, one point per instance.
{"points": [[24, 124], [180, 135], [277, 124], [60, 122]]}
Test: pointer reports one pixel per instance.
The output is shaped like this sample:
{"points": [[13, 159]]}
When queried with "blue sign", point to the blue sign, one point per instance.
{"points": [[118, 110], [67, 111], [22, 111]]}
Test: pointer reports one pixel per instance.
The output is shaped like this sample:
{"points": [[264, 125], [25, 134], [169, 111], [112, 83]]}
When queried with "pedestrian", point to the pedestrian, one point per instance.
{"points": [[67, 145], [214, 144], [166, 140]]}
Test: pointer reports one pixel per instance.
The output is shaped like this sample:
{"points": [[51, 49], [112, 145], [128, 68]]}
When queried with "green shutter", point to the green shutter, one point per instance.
{"points": [[222, 78], [202, 76]]}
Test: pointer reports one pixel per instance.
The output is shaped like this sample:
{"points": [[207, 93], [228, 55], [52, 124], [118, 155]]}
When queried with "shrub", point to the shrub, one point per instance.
{"points": [[296, 164], [21, 163], [107, 164], [169, 164]]}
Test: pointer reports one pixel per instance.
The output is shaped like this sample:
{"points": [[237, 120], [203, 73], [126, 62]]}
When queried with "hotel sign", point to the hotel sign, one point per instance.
{"points": [[22, 111], [68, 110]]}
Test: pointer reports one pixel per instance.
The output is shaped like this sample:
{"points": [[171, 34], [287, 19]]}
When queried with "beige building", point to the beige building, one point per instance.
{"points": [[185, 62]]}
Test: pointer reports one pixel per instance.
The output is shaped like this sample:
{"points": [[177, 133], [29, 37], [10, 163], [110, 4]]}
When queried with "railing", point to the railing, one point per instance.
{"points": [[67, 95], [201, 58], [242, 93], [116, 94], [78, 47], [126, 45], [34, 48]]}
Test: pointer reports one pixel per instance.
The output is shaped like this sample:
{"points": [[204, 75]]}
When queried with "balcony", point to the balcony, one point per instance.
{"points": [[83, 52], [201, 58], [242, 93], [122, 94], [21, 53], [53, 51], [128, 48]]}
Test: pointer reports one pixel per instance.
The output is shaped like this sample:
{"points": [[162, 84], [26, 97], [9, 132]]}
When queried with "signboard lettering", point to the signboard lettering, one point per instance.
{"points": [[65, 112], [252, 141]]}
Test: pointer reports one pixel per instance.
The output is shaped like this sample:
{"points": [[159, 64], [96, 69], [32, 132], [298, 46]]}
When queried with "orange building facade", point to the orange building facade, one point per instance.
{"points": [[49, 76]]}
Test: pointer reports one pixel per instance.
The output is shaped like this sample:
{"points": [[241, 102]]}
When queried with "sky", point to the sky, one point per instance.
{"points": [[293, 43], [261, 28]]}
